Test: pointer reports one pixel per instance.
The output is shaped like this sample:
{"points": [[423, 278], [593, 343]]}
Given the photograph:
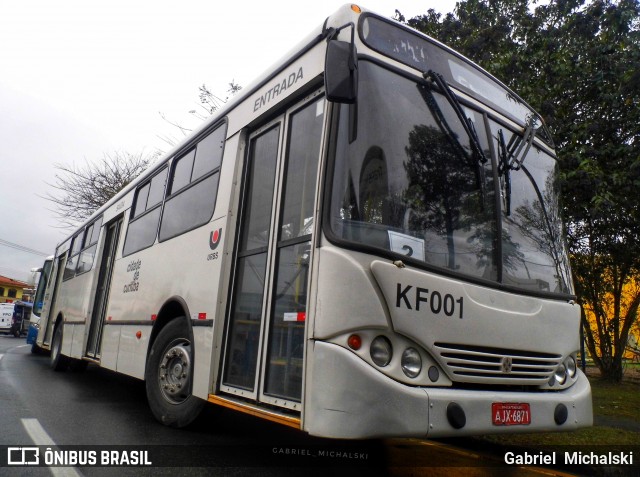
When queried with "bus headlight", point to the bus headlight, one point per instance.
{"points": [[571, 366], [560, 374], [381, 351], [411, 362]]}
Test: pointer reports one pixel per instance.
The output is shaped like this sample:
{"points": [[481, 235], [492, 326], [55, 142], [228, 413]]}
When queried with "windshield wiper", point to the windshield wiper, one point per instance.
{"points": [[512, 155], [466, 122], [504, 169], [477, 158], [518, 148]]}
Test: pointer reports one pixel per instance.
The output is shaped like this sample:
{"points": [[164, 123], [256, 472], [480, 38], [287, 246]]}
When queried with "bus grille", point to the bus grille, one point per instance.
{"points": [[480, 364]]}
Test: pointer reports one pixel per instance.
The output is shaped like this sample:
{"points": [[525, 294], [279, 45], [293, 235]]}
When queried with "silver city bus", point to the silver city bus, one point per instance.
{"points": [[365, 242]]}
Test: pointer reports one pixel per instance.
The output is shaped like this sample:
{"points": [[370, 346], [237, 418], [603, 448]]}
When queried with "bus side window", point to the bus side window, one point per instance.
{"points": [[72, 261], [85, 262], [143, 226], [194, 187]]}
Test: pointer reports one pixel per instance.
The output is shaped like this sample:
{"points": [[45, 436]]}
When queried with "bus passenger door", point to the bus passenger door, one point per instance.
{"points": [[100, 301], [51, 319], [263, 357]]}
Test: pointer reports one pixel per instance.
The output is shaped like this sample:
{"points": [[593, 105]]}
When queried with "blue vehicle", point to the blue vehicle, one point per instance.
{"points": [[21, 318], [34, 326], [32, 333]]}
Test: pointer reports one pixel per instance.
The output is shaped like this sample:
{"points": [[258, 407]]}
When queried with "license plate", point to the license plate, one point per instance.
{"points": [[511, 413]]}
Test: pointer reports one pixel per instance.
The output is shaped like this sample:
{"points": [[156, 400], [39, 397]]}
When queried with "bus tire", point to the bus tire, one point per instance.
{"points": [[169, 376], [58, 361]]}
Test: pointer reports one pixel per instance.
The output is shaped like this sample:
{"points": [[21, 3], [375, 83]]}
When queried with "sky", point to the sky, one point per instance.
{"points": [[80, 79]]}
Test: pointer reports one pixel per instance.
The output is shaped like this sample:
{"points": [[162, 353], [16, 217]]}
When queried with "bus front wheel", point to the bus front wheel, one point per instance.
{"points": [[169, 376]]}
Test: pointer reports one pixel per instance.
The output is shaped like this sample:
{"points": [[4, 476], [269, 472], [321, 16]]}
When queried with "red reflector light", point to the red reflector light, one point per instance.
{"points": [[354, 342], [139, 334]]}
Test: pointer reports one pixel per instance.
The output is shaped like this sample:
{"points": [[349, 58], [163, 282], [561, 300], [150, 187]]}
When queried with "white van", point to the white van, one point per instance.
{"points": [[6, 313]]}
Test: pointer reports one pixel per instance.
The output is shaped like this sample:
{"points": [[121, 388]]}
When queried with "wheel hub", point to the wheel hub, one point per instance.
{"points": [[175, 373]]}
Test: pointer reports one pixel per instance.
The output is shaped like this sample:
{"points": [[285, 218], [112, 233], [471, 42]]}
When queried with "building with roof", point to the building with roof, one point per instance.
{"points": [[13, 290]]}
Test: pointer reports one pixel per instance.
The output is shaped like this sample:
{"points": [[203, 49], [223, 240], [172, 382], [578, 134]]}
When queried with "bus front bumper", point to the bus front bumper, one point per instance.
{"points": [[348, 398]]}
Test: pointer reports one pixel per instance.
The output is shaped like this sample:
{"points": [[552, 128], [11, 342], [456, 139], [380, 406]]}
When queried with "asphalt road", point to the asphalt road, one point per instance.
{"points": [[98, 410]]}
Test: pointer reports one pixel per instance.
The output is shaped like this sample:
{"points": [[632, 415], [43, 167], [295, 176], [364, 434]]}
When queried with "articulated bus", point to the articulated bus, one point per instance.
{"points": [[364, 242]]}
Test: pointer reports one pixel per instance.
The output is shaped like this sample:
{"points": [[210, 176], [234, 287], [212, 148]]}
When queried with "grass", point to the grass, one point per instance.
{"points": [[616, 400]]}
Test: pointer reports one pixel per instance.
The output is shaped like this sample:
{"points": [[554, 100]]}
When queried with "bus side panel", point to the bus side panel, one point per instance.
{"points": [[341, 308], [133, 350], [203, 339], [183, 269], [67, 339], [347, 398], [132, 298], [77, 341], [110, 345]]}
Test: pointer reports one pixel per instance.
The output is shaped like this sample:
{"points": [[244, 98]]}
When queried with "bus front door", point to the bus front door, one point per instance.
{"points": [[50, 317], [263, 357], [101, 298]]}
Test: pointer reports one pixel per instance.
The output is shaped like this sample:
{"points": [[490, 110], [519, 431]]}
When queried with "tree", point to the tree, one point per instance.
{"points": [[211, 102], [578, 63], [81, 190]]}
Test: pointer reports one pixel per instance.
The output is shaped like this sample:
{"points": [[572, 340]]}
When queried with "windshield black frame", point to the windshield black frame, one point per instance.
{"points": [[498, 277], [423, 53]]}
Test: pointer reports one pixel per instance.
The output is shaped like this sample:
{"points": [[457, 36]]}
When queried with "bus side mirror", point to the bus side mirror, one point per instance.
{"points": [[341, 72]]}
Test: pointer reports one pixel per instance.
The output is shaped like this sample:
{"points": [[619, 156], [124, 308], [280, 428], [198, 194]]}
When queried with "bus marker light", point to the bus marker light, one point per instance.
{"points": [[295, 316], [202, 316], [354, 342], [138, 334], [154, 317], [356, 8]]}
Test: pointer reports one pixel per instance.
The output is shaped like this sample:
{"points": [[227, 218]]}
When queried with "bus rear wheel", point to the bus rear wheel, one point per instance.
{"points": [[169, 376], [58, 361]]}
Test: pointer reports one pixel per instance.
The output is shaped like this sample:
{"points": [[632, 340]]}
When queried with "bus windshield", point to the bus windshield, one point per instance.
{"points": [[412, 186]]}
